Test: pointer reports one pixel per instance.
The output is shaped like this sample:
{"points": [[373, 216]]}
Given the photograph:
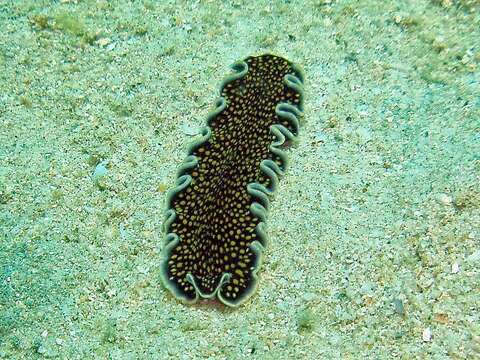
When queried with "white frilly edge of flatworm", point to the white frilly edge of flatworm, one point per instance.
{"points": [[261, 193]]}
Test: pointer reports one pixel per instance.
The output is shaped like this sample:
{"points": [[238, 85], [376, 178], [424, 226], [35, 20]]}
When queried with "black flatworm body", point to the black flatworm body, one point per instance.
{"points": [[215, 219]]}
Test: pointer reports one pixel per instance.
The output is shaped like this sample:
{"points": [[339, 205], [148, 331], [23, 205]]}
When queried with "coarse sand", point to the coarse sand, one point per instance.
{"points": [[375, 228]]}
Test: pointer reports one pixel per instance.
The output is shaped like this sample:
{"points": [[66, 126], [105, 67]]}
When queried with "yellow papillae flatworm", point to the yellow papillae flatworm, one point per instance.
{"points": [[215, 218]]}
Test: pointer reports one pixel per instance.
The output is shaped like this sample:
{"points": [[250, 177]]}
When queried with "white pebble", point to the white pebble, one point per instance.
{"points": [[444, 199], [100, 171], [455, 268], [427, 335]]}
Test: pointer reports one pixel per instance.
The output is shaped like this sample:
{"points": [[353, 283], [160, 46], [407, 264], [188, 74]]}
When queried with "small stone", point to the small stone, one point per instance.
{"points": [[190, 130], [473, 258], [309, 296], [103, 41], [427, 335], [110, 47], [441, 318], [44, 333], [320, 136], [398, 306], [162, 187], [444, 199], [455, 268], [99, 172]]}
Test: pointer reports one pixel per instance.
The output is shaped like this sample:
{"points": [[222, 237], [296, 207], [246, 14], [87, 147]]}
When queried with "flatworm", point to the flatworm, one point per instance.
{"points": [[215, 218]]}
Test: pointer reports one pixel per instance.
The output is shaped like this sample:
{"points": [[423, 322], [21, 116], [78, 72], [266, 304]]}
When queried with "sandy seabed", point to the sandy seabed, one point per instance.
{"points": [[375, 240]]}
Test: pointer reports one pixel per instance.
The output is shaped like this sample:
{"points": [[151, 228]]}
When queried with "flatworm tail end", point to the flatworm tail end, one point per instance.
{"points": [[215, 219]]}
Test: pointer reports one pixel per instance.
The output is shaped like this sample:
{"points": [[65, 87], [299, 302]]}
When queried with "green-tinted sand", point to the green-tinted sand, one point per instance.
{"points": [[375, 240]]}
